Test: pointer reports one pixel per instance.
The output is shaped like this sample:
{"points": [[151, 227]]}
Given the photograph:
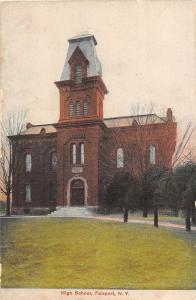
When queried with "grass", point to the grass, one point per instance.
{"points": [[59, 253]]}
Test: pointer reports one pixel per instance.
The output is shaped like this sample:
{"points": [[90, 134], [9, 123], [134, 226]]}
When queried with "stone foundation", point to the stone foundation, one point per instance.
{"points": [[30, 211]]}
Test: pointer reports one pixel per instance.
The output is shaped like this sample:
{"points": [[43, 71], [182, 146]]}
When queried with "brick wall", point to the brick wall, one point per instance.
{"points": [[39, 177]]}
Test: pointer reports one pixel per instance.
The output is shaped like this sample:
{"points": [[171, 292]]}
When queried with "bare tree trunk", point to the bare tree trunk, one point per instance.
{"points": [[145, 211], [156, 218], [188, 220], [193, 213], [125, 215], [11, 126], [176, 212], [8, 205]]}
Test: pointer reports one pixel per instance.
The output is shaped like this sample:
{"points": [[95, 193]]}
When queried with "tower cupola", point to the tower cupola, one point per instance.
{"points": [[81, 86], [82, 44]]}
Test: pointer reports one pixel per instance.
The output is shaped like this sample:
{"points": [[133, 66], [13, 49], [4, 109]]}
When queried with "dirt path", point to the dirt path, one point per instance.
{"points": [[161, 223]]}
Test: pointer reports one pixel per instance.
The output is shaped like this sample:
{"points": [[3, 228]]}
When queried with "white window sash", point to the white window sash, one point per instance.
{"points": [[78, 108], [85, 108], [53, 161], [74, 154], [78, 74], [71, 109], [28, 193], [82, 153], [152, 155], [28, 162], [120, 158]]}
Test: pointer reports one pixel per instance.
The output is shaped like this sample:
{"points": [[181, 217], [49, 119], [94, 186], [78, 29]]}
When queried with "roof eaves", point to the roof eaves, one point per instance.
{"points": [[133, 116]]}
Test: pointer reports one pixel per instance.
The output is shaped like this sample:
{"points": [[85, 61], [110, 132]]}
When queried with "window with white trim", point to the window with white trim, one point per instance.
{"points": [[85, 108], [77, 108], [73, 154], [120, 158], [71, 108], [81, 153], [152, 155], [53, 161], [78, 73], [27, 193], [28, 162]]}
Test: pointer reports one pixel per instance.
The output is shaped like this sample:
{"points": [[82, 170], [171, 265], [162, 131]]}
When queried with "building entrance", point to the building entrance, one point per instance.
{"points": [[77, 193]]}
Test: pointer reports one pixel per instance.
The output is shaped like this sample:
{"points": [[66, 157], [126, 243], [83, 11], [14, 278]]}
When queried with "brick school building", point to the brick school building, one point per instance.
{"points": [[71, 162]]}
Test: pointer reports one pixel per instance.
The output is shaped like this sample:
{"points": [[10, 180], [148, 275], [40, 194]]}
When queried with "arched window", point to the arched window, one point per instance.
{"points": [[85, 108], [27, 193], [120, 158], [78, 73], [28, 162], [71, 108], [53, 161], [77, 108], [81, 153], [73, 154], [152, 155]]}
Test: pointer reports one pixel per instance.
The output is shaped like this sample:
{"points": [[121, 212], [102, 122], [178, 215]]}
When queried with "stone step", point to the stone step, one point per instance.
{"points": [[72, 212]]}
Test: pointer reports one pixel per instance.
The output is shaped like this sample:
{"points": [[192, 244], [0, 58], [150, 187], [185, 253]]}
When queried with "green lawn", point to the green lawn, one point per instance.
{"points": [[59, 253]]}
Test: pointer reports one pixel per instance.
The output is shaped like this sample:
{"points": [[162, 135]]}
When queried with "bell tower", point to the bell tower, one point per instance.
{"points": [[81, 87]]}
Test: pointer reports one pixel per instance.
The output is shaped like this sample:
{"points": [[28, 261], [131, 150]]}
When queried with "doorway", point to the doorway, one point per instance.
{"points": [[77, 193]]}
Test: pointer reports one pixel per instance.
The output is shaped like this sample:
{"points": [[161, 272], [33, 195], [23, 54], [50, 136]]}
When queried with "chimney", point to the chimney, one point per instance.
{"points": [[29, 125], [169, 115]]}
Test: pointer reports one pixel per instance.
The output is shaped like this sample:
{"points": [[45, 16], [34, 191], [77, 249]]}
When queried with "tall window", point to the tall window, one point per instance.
{"points": [[120, 158], [85, 108], [71, 108], [27, 193], [152, 155], [78, 73], [73, 154], [77, 108], [81, 153], [53, 161], [28, 162]]}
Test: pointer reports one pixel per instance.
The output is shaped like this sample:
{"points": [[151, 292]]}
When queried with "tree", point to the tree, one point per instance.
{"points": [[152, 185], [171, 192], [123, 192], [189, 198], [132, 196], [117, 189], [179, 191], [147, 190], [158, 198], [130, 199], [134, 136], [13, 124], [184, 153], [185, 180]]}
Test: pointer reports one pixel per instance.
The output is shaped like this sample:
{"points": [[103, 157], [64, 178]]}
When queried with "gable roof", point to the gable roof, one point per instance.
{"points": [[76, 52], [131, 120], [37, 129], [109, 122]]}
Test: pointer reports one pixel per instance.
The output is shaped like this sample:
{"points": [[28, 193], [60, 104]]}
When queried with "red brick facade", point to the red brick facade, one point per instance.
{"points": [[85, 144]]}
